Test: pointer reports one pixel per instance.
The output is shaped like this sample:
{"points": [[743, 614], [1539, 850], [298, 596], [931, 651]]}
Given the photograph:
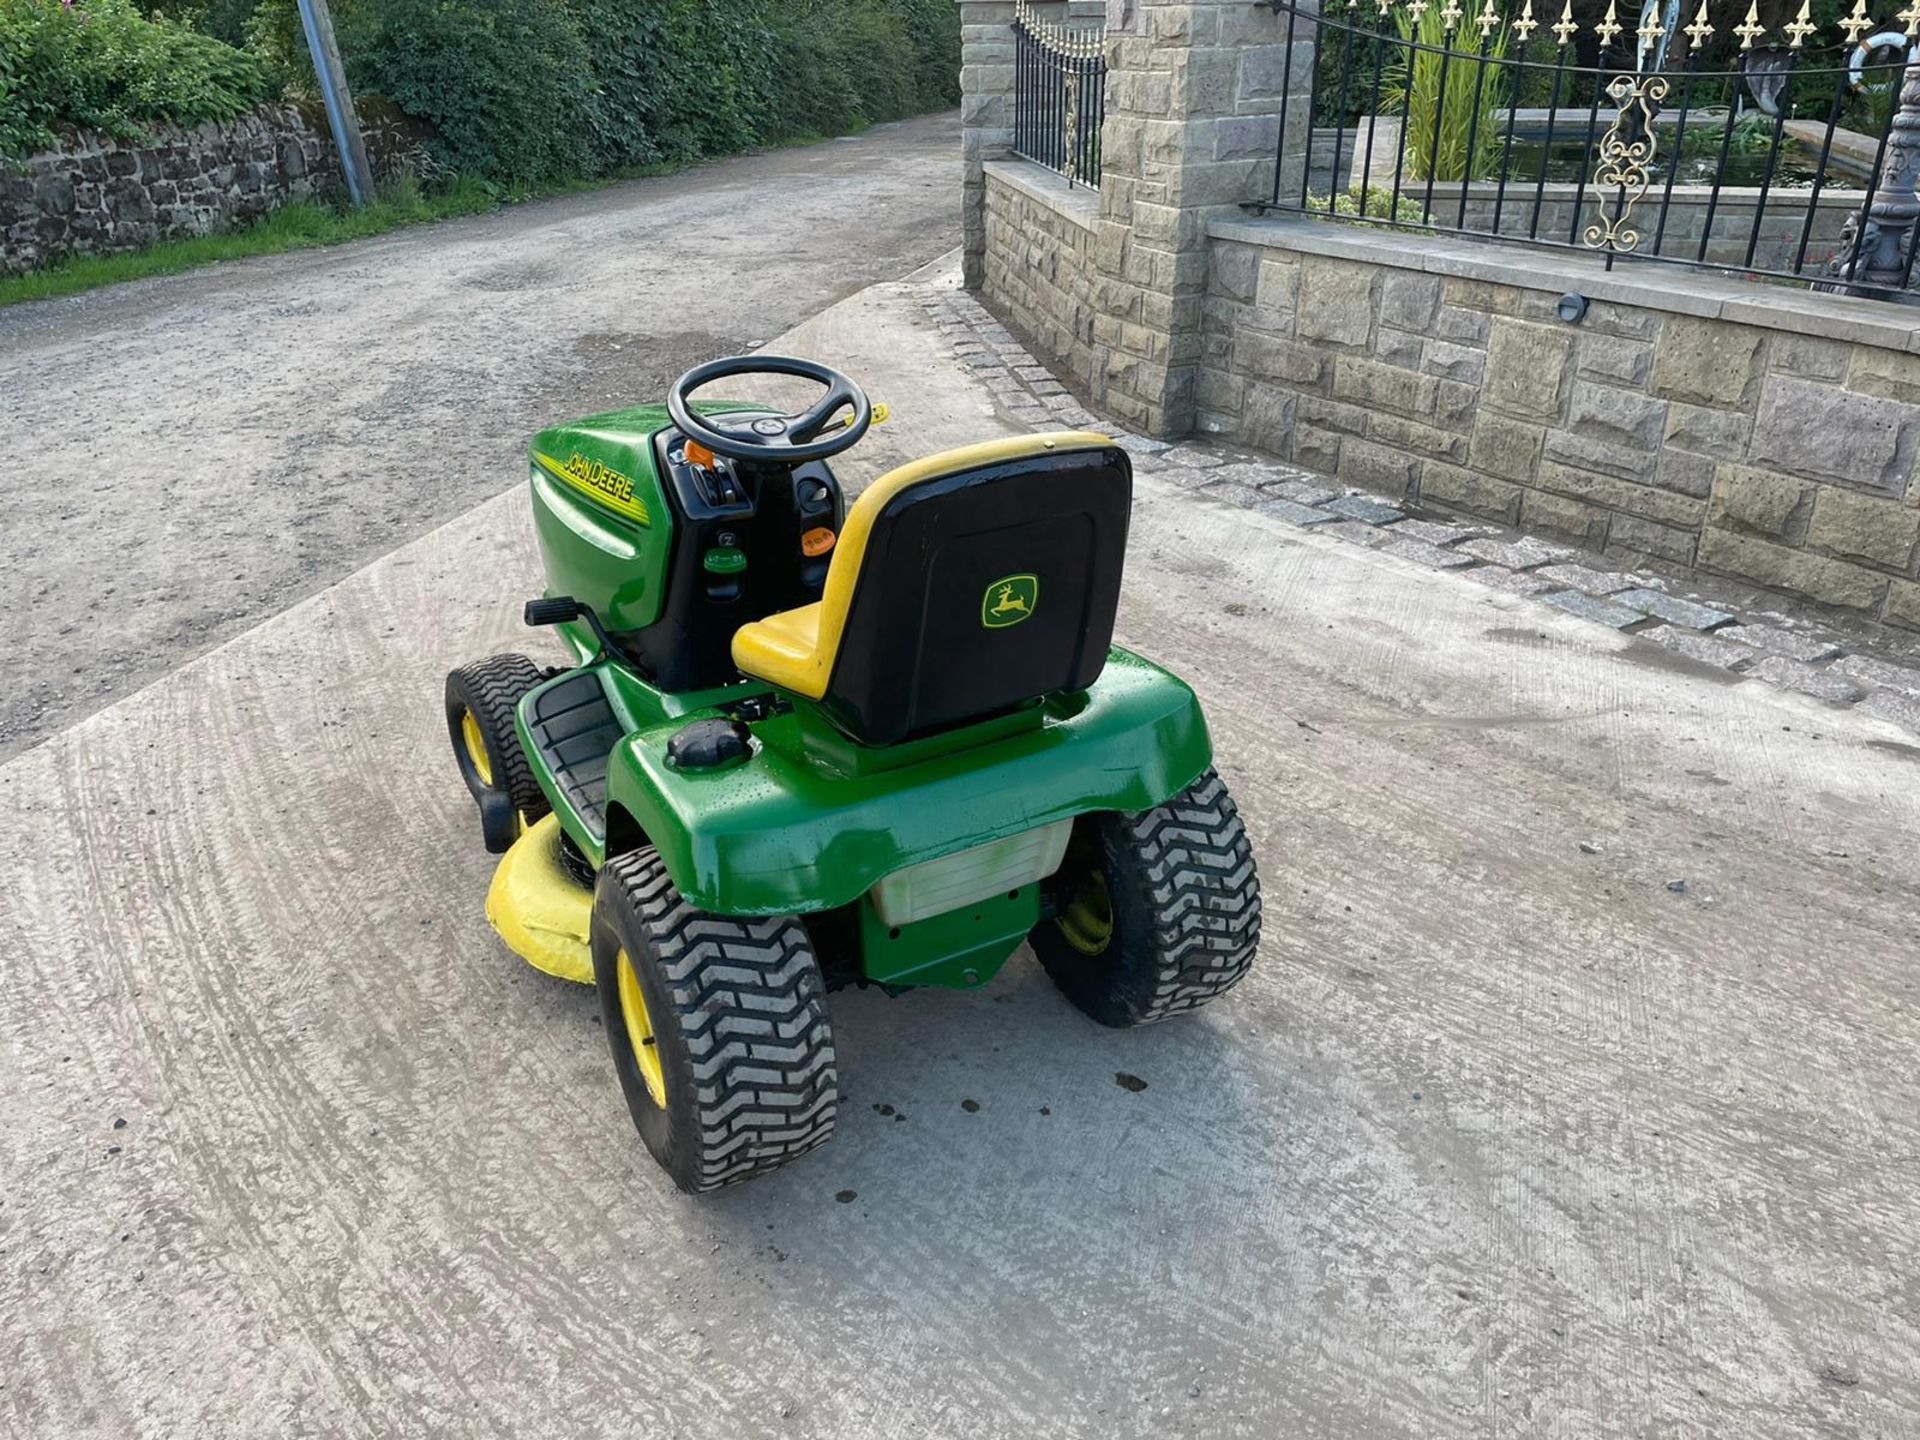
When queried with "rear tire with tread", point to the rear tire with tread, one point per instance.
{"points": [[1169, 914], [738, 1012]]}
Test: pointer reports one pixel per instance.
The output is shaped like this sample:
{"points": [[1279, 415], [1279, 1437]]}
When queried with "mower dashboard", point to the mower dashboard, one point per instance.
{"points": [[751, 537], [714, 487]]}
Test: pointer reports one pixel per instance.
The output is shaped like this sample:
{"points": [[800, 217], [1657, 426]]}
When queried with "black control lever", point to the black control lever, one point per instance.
{"points": [[563, 609]]}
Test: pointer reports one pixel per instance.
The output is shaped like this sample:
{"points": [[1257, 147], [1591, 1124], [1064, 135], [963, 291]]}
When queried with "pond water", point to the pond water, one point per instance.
{"points": [[1570, 160]]}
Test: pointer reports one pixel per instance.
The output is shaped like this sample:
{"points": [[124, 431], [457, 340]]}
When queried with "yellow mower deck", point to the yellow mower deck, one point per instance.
{"points": [[540, 910]]}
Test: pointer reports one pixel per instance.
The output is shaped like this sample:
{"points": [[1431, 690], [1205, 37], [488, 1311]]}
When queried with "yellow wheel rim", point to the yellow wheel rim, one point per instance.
{"points": [[476, 748], [1087, 922], [633, 1009]]}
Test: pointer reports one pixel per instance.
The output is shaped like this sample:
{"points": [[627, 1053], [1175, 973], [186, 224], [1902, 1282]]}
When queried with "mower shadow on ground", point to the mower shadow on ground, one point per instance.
{"points": [[1008, 1084], [1012, 1094]]}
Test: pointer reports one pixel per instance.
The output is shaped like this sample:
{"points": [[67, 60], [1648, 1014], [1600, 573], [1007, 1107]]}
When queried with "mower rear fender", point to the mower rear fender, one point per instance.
{"points": [[789, 831]]}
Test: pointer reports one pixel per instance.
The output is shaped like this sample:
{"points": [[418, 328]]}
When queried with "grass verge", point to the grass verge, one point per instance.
{"points": [[298, 226], [305, 224]]}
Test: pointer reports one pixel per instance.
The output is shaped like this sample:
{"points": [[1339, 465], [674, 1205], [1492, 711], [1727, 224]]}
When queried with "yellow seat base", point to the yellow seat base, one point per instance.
{"points": [[541, 911], [784, 650]]}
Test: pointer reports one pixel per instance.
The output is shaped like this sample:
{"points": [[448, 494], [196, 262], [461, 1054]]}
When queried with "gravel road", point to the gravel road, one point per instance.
{"points": [[194, 454]]}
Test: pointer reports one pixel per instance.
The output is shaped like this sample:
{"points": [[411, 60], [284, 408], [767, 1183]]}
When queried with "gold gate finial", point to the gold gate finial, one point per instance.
{"points": [[1611, 26], [1801, 26], [1073, 42], [1652, 27], [1701, 30], [1526, 24], [1857, 23], [1750, 29], [1566, 27]]}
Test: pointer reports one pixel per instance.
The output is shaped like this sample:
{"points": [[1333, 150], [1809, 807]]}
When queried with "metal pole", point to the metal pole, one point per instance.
{"points": [[317, 21]]}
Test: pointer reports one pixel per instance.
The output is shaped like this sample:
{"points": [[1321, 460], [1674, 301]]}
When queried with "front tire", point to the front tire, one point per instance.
{"points": [[1155, 913], [718, 1026], [481, 699]]}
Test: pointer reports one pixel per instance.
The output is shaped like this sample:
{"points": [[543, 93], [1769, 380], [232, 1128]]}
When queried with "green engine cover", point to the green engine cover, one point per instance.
{"points": [[602, 518], [603, 523]]}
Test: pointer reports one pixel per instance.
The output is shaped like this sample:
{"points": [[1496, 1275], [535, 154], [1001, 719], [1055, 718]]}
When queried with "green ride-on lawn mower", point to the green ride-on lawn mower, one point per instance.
{"points": [[802, 746]]}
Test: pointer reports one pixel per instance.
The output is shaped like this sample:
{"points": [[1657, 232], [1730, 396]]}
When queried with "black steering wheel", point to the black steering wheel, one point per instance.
{"points": [[782, 439]]}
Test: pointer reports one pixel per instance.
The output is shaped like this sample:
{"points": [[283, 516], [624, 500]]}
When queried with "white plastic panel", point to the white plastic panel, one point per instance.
{"points": [[934, 887]]}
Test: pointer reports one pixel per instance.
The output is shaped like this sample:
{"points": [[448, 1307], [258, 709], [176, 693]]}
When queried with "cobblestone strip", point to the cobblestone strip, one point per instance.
{"points": [[1788, 653]]}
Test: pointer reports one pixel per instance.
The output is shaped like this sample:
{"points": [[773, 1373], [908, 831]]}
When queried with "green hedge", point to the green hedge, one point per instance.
{"points": [[530, 92], [100, 64], [522, 92], [503, 81]]}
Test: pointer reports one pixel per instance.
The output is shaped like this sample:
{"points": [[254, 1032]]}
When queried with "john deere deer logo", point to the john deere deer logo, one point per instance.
{"points": [[1009, 600]]}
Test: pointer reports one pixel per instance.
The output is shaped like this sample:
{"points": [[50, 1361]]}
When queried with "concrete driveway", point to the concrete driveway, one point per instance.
{"points": [[1500, 1138], [194, 454]]}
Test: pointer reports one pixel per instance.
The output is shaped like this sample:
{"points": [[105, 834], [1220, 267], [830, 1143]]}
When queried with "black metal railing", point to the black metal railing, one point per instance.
{"points": [[1666, 142], [1059, 96]]}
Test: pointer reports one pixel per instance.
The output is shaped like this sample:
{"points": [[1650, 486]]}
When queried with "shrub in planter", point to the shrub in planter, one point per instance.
{"points": [[1451, 92]]}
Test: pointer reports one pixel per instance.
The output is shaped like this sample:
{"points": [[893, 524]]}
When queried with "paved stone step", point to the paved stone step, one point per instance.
{"points": [[1680, 612], [1359, 507], [1709, 649], [1593, 607], [1806, 679]]}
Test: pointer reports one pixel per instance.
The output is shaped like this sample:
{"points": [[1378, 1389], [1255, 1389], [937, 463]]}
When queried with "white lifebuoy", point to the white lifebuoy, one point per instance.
{"points": [[1885, 40]]}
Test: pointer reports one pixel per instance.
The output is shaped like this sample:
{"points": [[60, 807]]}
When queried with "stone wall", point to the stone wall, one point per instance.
{"points": [[93, 195], [1039, 263], [1748, 430], [1757, 430], [986, 119]]}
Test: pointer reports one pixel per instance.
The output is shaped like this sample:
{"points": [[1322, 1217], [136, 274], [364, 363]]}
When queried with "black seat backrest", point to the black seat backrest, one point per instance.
{"points": [[980, 590]]}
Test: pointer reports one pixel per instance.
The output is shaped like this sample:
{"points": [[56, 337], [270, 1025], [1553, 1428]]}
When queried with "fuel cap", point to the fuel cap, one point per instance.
{"points": [[708, 745]]}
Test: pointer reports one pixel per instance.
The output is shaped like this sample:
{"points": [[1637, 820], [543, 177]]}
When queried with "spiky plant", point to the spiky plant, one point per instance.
{"points": [[1439, 123]]}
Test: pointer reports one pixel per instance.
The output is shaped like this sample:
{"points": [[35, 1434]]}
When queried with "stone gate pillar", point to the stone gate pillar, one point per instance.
{"points": [[986, 119], [1194, 94]]}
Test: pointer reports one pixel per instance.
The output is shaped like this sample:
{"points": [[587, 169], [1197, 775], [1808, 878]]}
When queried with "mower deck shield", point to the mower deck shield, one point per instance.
{"points": [[540, 910]]}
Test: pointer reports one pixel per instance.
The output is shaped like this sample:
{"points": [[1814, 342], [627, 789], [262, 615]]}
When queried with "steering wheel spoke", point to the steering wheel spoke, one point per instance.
{"points": [[788, 439], [812, 422]]}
